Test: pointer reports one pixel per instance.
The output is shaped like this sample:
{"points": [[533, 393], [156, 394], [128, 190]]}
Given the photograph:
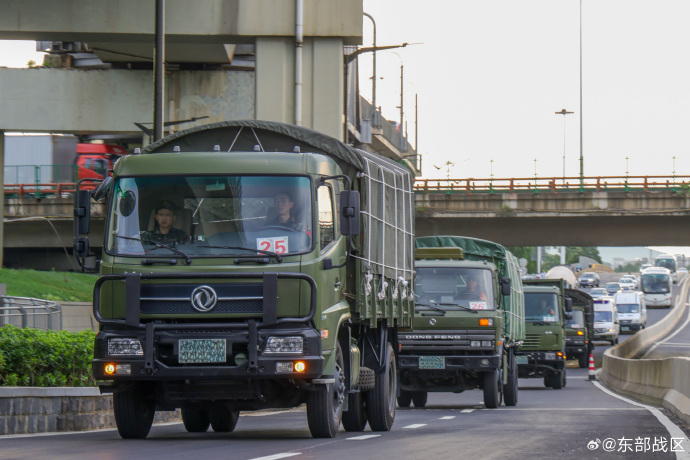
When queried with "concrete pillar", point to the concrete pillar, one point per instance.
{"points": [[2, 194]]}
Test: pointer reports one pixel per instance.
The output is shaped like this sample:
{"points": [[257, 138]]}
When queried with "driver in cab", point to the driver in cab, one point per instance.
{"points": [[283, 205], [164, 232]]}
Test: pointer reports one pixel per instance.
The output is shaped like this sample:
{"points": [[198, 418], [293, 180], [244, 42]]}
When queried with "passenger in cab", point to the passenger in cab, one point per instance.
{"points": [[473, 291]]}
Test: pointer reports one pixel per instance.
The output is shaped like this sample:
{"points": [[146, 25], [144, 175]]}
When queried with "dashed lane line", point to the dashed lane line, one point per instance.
{"points": [[416, 425], [278, 456], [448, 417], [363, 437]]}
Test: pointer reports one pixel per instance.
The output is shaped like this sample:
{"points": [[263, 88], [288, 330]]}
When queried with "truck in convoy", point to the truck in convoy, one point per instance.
{"points": [[468, 322], [282, 280], [579, 329], [547, 309], [656, 284]]}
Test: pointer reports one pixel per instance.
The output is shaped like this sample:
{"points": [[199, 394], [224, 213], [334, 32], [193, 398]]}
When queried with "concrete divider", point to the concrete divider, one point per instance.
{"points": [[663, 382]]}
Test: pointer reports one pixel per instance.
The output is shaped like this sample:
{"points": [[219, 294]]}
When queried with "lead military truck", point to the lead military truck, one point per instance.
{"points": [[463, 340], [248, 313]]}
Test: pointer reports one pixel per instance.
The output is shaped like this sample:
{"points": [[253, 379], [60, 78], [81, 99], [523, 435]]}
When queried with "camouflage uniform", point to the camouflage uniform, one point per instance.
{"points": [[174, 235]]}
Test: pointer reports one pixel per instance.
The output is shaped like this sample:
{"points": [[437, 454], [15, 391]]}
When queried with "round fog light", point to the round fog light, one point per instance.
{"points": [[484, 362]]}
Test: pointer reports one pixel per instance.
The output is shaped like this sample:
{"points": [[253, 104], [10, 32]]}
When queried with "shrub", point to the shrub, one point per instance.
{"points": [[33, 357]]}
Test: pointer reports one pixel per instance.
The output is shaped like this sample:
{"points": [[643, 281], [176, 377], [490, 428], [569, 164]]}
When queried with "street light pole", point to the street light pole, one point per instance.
{"points": [[582, 167], [373, 80], [564, 113]]}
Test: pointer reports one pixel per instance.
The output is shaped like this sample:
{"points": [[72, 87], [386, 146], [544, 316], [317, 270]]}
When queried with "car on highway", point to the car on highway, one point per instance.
{"points": [[633, 278], [682, 270], [589, 279], [644, 267], [613, 287], [598, 292], [627, 284]]}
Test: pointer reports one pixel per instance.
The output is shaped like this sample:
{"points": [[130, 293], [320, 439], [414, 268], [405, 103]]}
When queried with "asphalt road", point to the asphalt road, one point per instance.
{"points": [[583, 420]]}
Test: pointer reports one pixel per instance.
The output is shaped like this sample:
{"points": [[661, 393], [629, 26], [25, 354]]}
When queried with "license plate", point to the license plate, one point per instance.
{"points": [[432, 362], [201, 351], [550, 356], [521, 359]]}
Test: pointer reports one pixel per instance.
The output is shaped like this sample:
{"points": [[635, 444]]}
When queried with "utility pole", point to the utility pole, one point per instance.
{"points": [[159, 71]]}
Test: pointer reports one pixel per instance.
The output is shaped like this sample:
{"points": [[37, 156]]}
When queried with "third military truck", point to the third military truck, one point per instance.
{"points": [[469, 319], [282, 281]]}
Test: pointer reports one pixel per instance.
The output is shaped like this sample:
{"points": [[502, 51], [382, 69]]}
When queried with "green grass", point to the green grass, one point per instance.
{"points": [[49, 285]]}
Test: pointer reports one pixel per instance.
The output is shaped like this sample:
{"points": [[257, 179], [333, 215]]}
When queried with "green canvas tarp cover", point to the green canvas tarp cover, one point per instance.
{"points": [[387, 199], [507, 265]]}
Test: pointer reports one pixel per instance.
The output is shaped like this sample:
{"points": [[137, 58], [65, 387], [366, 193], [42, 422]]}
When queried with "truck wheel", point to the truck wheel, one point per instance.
{"points": [[492, 389], [405, 398], [195, 420], [381, 399], [510, 389], [325, 407], [583, 361], [355, 418], [134, 409], [419, 398], [223, 420], [558, 380], [548, 381]]}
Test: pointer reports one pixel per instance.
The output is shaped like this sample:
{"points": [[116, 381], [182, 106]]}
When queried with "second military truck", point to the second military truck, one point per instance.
{"points": [[281, 281], [469, 319]]}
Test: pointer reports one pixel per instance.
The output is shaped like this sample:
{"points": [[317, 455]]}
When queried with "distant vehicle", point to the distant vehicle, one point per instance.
{"points": [[598, 292], [632, 311], [606, 323], [631, 277], [656, 285], [682, 270], [627, 284], [579, 329], [94, 160], [667, 261], [589, 279], [613, 288], [643, 267]]}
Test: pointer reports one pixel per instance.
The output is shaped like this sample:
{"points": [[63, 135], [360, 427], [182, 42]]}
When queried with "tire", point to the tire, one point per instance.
{"points": [[558, 380], [405, 398], [223, 420], [419, 398], [325, 408], [134, 409], [583, 361], [381, 399], [492, 389], [195, 420], [510, 389], [355, 418], [548, 381]]}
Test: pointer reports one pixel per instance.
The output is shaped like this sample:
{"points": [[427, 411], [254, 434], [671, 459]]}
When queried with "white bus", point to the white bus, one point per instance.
{"points": [[667, 261], [656, 284]]}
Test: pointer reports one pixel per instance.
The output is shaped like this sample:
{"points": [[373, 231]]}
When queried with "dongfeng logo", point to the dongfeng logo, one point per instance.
{"points": [[432, 321], [204, 298]]}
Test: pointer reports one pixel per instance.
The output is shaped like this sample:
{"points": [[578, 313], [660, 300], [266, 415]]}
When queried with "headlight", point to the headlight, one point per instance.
{"points": [[285, 345], [126, 346], [475, 343]]}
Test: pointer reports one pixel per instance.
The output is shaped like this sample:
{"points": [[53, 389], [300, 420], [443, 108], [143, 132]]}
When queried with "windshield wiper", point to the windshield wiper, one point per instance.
{"points": [[429, 306], [159, 245], [461, 307], [433, 306], [278, 257]]}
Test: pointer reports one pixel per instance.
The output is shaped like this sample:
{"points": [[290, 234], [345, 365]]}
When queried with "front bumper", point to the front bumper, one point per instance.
{"points": [[539, 363], [451, 364]]}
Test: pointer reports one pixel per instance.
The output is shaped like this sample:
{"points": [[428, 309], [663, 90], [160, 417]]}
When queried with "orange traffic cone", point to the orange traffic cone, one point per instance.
{"points": [[592, 375]]}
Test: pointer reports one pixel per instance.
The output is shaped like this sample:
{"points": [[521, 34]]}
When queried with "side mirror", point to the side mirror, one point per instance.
{"points": [[505, 286], [82, 212], [81, 247], [568, 304], [568, 316], [349, 212]]}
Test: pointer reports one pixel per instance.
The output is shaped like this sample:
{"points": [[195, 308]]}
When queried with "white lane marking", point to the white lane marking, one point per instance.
{"points": [[363, 437], [671, 427], [416, 425], [270, 412], [674, 344], [467, 411], [277, 456], [448, 417]]}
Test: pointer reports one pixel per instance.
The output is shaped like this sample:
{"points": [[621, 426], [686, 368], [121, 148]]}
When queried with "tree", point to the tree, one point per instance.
{"points": [[573, 253]]}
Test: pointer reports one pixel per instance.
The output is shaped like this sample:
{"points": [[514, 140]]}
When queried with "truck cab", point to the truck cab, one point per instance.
{"points": [[547, 310], [579, 330], [632, 310]]}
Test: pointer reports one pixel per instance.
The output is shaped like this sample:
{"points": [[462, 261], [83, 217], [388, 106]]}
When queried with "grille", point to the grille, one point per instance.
{"points": [[180, 307], [532, 340]]}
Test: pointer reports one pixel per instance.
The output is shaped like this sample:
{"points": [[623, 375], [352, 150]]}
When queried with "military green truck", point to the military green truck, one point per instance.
{"points": [[468, 322], [546, 311], [579, 330], [283, 281]]}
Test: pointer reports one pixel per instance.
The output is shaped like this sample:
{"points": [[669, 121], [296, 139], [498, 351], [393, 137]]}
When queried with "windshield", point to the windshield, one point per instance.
{"points": [[657, 283], [209, 216], [577, 320], [666, 263], [603, 316], [541, 306], [628, 307], [598, 291], [613, 286], [453, 288]]}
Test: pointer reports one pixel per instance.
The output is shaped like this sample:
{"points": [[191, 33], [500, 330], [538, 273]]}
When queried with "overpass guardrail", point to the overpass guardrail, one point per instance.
{"points": [[24, 312], [553, 184]]}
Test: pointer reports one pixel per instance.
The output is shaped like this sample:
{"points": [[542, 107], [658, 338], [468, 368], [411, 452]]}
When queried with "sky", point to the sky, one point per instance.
{"points": [[490, 75]]}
